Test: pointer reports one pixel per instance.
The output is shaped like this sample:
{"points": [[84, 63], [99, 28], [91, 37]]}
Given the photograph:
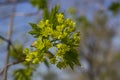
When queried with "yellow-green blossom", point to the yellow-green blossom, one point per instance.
{"points": [[60, 17], [41, 24], [46, 31], [47, 43], [60, 34]]}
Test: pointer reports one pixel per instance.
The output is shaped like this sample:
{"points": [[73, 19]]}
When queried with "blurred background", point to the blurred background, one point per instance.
{"points": [[98, 22]]}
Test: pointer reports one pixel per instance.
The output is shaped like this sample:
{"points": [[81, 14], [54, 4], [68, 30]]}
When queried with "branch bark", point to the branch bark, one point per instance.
{"points": [[10, 64], [21, 14], [9, 42], [9, 38], [6, 40], [11, 2]]}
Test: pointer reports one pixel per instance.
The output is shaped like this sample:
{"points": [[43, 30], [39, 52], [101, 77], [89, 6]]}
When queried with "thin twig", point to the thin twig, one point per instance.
{"points": [[21, 14], [6, 40], [11, 2], [9, 38], [9, 42], [11, 64], [26, 14]]}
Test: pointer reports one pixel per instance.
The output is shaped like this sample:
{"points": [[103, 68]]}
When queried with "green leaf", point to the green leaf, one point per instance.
{"points": [[23, 74], [114, 7], [35, 30], [71, 58], [41, 4], [17, 52], [53, 13], [46, 14], [61, 65]]}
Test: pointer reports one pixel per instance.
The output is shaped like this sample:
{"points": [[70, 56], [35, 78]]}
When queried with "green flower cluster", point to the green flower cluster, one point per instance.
{"points": [[59, 34]]}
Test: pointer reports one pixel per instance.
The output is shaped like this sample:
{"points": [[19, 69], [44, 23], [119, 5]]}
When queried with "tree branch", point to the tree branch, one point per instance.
{"points": [[10, 64], [4, 39], [9, 42], [11, 2], [28, 14], [21, 14], [9, 37]]}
